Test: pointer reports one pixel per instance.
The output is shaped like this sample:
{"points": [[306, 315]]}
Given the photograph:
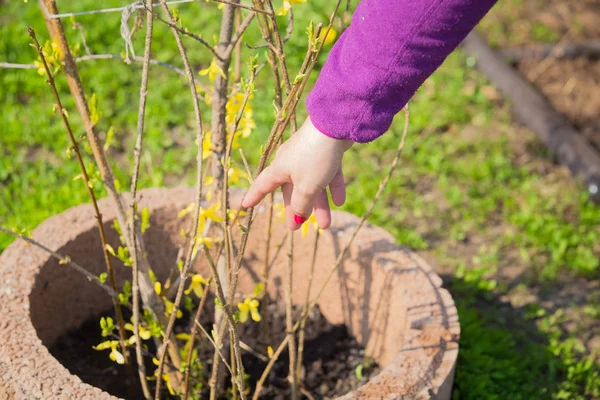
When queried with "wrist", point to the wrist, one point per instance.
{"points": [[323, 139]]}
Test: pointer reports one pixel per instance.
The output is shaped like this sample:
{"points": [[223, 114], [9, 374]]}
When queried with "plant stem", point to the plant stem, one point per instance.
{"points": [[188, 363], [289, 319], [269, 367], [105, 247], [265, 273], [63, 260], [225, 304], [149, 297], [134, 182], [174, 352], [306, 304]]}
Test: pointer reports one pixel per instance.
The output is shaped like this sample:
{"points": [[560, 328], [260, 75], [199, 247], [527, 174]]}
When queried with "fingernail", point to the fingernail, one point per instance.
{"points": [[299, 220]]}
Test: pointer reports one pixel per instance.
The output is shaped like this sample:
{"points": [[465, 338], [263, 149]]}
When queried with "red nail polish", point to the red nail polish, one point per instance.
{"points": [[299, 220]]}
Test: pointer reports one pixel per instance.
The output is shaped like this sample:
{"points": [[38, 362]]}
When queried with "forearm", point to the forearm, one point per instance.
{"points": [[385, 55]]}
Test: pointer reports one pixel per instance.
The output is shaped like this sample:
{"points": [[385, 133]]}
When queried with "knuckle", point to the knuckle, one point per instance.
{"points": [[307, 191]]}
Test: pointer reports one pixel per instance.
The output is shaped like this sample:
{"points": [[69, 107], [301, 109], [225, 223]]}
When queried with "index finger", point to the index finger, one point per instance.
{"points": [[267, 182]]}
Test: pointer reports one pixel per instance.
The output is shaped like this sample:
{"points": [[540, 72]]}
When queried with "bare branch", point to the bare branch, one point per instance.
{"points": [[188, 363], [306, 305], [105, 247], [90, 57], [66, 260], [185, 32], [134, 182], [245, 7], [198, 200], [238, 34], [289, 319]]}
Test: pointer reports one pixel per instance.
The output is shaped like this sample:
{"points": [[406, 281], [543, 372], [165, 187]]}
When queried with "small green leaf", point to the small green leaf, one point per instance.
{"points": [[102, 277], [258, 290], [145, 219], [110, 134], [109, 248], [359, 372]]}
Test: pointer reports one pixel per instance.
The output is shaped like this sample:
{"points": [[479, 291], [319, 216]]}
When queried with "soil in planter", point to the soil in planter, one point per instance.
{"points": [[333, 360]]}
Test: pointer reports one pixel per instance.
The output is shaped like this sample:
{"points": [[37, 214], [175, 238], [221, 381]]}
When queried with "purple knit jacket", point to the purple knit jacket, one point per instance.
{"points": [[385, 55]]}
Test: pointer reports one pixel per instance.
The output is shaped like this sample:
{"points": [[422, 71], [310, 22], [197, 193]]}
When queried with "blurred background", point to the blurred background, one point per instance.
{"points": [[515, 237]]}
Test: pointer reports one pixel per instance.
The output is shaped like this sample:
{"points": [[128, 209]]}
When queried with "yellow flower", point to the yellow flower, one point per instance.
{"points": [[247, 123], [169, 306], [206, 241], [249, 306], [312, 220], [234, 175], [234, 104], [207, 145], [167, 380], [183, 336], [212, 213], [287, 5], [331, 36], [115, 355], [212, 71], [186, 210], [196, 285], [144, 333], [233, 213]]}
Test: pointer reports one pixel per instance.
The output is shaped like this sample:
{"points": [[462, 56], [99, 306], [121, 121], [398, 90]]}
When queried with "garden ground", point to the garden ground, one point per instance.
{"points": [[514, 237]]}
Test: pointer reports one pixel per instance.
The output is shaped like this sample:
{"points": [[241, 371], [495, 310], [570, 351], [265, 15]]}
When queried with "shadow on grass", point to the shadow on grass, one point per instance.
{"points": [[505, 355]]}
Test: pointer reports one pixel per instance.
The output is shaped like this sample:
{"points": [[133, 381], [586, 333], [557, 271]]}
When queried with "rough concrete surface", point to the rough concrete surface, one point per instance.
{"points": [[389, 298]]}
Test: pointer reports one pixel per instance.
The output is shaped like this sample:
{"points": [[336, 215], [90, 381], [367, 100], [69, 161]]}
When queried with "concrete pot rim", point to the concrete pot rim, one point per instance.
{"points": [[28, 369]]}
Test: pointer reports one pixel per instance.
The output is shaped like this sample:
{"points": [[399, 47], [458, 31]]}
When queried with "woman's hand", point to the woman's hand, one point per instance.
{"points": [[304, 166]]}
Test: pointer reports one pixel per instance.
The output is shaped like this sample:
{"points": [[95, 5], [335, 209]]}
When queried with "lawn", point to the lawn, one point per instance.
{"points": [[514, 237]]}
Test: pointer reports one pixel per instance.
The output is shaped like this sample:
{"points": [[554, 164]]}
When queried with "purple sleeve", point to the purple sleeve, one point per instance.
{"points": [[379, 62]]}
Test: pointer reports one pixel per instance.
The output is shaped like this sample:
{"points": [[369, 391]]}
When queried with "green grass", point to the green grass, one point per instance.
{"points": [[462, 178]]}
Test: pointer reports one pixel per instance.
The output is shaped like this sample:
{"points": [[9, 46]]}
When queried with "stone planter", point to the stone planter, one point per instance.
{"points": [[387, 296]]}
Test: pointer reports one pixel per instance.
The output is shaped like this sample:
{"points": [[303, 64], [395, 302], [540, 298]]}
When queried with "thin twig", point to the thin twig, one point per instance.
{"points": [[105, 247], [66, 260], [266, 270], [288, 32], [188, 363], [81, 30], [227, 310], [238, 35], [134, 182], [255, 353], [289, 319], [245, 7], [90, 57], [219, 174], [306, 304], [247, 166], [210, 339], [198, 199], [269, 367], [185, 32]]}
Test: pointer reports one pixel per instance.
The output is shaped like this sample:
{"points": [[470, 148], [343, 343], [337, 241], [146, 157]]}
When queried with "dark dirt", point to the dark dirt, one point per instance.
{"points": [[572, 86], [331, 357]]}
